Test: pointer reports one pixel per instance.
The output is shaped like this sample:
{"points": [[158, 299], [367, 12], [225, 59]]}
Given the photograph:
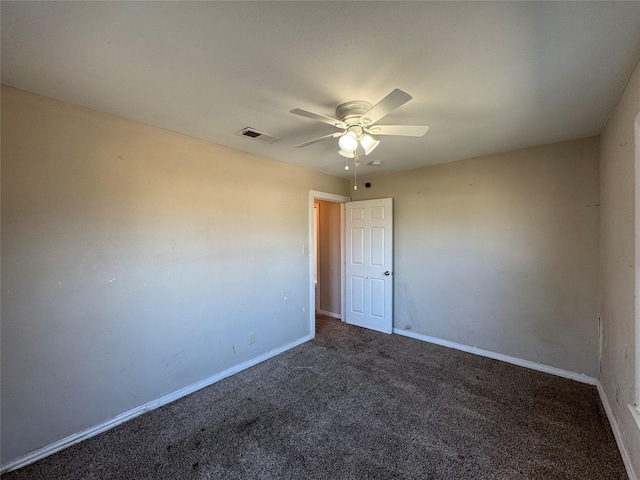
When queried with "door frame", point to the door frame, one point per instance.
{"points": [[637, 268], [330, 197]]}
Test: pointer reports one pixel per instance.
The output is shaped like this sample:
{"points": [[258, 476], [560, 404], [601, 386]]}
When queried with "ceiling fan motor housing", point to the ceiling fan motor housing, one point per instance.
{"points": [[351, 112]]}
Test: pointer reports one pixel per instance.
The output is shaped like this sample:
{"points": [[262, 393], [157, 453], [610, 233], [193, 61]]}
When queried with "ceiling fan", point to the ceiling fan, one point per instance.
{"points": [[357, 119]]}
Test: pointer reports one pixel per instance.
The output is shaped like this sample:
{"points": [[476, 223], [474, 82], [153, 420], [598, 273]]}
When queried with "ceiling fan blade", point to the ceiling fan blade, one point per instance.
{"points": [[385, 106], [321, 118], [402, 130], [319, 139]]}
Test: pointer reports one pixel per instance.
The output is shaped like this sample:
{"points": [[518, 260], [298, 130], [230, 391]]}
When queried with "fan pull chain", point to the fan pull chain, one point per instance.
{"points": [[355, 170]]}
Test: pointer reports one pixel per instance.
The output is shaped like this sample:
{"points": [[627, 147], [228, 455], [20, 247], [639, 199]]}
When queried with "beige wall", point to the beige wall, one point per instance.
{"points": [[330, 257], [501, 252], [135, 262], [618, 265]]}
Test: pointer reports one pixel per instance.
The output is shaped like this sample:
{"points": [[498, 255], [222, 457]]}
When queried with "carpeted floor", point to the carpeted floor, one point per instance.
{"points": [[357, 404]]}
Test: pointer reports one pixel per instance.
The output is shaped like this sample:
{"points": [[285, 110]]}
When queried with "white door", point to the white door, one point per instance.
{"points": [[369, 264]]}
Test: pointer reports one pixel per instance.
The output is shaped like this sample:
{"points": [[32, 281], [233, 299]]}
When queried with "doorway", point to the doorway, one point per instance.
{"points": [[366, 282], [326, 237], [328, 258]]}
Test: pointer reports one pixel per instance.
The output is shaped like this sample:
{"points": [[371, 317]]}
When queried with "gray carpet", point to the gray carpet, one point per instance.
{"points": [[356, 404]]}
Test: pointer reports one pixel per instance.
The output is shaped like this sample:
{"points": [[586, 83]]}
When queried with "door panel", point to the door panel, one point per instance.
{"points": [[357, 246], [377, 298], [357, 294], [369, 244], [377, 247]]}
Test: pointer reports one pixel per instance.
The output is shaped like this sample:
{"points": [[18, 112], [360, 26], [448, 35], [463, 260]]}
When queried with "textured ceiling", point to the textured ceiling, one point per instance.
{"points": [[486, 77]]}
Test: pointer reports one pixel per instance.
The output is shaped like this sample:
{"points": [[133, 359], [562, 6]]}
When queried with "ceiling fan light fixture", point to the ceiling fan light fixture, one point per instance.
{"points": [[368, 143], [348, 142], [346, 154]]}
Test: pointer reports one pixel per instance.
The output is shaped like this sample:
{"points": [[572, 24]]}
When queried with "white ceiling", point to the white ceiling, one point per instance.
{"points": [[486, 77]]}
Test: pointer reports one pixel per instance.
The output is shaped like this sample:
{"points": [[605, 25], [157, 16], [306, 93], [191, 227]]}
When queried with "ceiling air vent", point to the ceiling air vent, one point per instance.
{"points": [[257, 135]]}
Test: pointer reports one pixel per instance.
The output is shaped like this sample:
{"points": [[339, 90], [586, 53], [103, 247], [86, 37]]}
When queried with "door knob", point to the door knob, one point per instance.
{"points": [[387, 273]]}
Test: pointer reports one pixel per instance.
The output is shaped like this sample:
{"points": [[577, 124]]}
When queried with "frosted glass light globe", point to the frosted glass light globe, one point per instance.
{"points": [[348, 142]]}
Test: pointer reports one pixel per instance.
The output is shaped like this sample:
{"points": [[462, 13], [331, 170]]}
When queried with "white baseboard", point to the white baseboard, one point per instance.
{"points": [[616, 433], [152, 405], [330, 314], [580, 377]]}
